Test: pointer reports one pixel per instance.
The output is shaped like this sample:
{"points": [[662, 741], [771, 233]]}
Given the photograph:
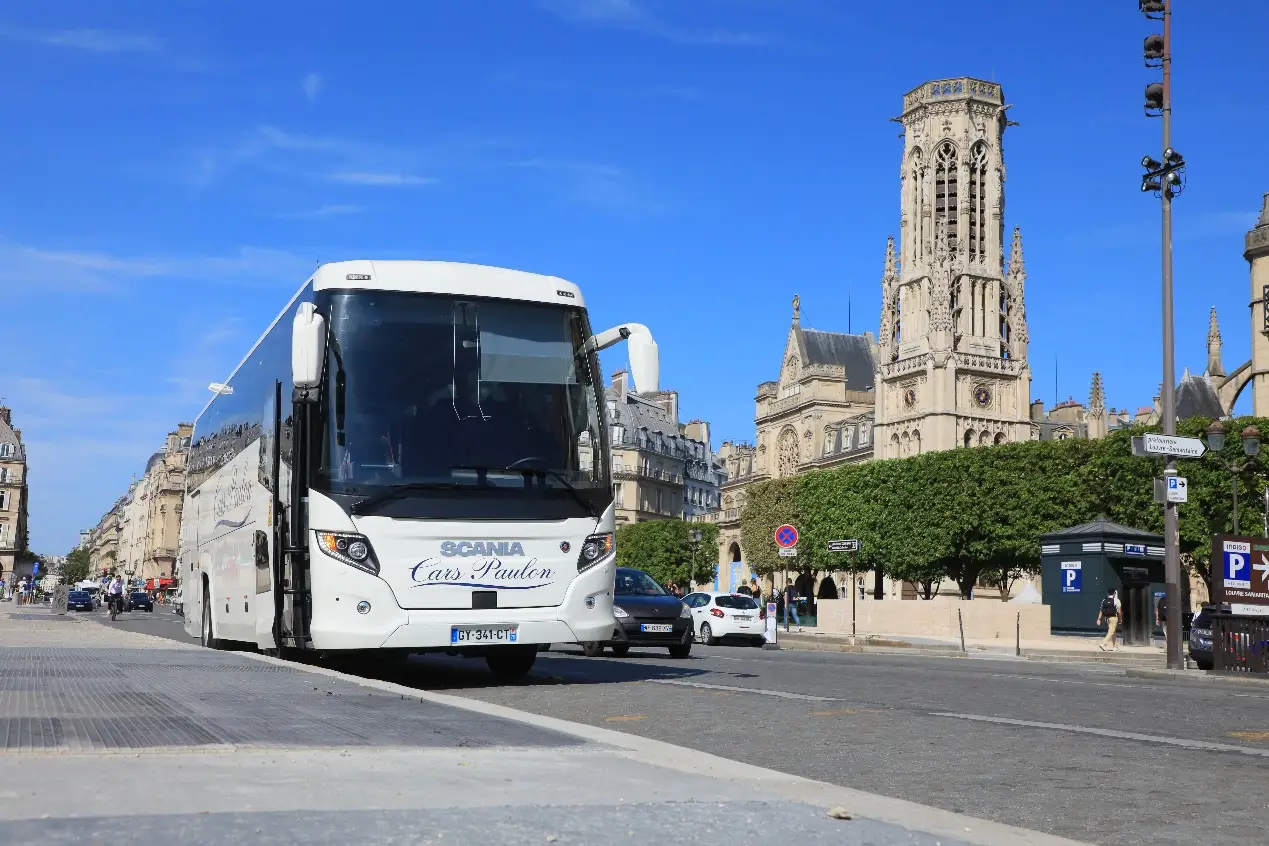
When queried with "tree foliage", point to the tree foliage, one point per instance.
{"points": [[75, 569], [976, 515], [664, 550]]}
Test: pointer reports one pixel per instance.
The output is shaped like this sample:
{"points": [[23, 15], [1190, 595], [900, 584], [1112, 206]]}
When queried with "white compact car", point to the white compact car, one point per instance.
{"points": [[725, 616]]}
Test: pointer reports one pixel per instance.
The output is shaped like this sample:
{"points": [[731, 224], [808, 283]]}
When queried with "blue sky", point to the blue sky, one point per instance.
{"points": [[174, 171]]}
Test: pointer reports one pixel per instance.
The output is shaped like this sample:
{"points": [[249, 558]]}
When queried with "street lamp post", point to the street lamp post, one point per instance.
{"points": [[1251, 449], [695, 536], [1166, 179]]}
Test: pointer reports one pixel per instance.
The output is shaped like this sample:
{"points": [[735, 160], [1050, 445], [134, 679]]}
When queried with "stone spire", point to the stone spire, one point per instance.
{"points": [[1264, 211], [888, 345], [1016, 283], [1096, 397], [1214, 366], [797, 308]]}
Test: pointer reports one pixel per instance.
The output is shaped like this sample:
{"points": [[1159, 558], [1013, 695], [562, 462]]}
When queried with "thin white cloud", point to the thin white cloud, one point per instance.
{"points": [[632, 16], [35, 269], [328, 210], [364, 177], [91, 40], [312, 86]]}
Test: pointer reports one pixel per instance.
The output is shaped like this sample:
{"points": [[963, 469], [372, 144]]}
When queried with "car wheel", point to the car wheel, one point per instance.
{"points": [[512, 662], [592, 649], [680, 650], [707, 635], [1206, 666], [621, 650]]}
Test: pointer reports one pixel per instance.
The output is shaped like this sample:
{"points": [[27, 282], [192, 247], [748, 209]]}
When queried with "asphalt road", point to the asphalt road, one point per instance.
{"points": [[1072, 750]]}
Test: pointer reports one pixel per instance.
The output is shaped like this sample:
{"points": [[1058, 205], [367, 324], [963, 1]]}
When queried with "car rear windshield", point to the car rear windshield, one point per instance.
{"points": [[77, 595], [742, 602]]}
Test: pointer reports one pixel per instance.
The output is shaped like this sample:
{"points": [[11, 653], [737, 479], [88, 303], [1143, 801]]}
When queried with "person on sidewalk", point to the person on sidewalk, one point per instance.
{"points": [[791, 597], [1111, 613]]}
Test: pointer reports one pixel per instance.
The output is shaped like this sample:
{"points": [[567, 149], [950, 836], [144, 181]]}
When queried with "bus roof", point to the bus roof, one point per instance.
{"points": [[447, 277]]}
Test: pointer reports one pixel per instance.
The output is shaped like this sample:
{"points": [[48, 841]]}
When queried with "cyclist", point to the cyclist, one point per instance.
{"points": [[114, 595]]}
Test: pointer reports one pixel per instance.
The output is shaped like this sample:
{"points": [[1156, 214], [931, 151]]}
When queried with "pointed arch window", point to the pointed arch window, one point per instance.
{"points": [[978, 202], [945, 188], [914, 203]]}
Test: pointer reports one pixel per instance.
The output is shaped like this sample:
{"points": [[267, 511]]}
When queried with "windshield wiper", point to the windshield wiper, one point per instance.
{"points": [[361, 506], [542, 471]]}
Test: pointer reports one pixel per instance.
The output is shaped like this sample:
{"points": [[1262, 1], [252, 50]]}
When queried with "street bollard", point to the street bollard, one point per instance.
{"points": [[770, 634]]}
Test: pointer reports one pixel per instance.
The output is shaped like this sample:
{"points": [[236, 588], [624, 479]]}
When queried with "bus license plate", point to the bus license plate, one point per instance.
{"points": [[482, 634], [655, 627]]}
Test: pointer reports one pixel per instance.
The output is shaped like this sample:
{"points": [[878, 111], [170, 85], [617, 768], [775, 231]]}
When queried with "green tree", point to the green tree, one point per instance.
{"points": [[768, 505], [664, 550], [75, 569]]}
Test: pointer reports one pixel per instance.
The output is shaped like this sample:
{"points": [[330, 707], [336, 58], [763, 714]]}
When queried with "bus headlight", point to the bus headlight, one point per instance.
{"points": [[350, 549], [595, 549]]}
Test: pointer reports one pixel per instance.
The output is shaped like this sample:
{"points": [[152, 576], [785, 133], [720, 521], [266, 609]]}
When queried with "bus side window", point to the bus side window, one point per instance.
{"points": [[267, 436]]}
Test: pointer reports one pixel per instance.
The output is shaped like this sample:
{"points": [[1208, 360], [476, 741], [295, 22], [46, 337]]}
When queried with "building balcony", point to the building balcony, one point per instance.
{"points": [[638, 474], [163, 553]]}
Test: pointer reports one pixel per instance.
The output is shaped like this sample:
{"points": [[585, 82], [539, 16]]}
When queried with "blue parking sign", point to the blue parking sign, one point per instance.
{"points": [[1237, 564], [1072, 576]]}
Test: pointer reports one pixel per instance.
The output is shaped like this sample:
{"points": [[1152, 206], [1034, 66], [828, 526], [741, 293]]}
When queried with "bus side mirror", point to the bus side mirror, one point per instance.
{"points": [[645, 360], [308, 347]]}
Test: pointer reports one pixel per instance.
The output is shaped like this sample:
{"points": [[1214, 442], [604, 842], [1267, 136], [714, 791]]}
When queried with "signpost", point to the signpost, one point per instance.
{"points": [[786, 537], [1178, 491], [850, 545]]}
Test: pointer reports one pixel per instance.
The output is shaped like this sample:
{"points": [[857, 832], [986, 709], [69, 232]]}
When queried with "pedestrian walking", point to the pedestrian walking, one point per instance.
{"points": [[755, 590], [1111, 612], [791, 597]]}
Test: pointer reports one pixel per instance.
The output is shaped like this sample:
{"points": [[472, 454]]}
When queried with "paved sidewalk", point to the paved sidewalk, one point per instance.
{"points": [[116, 737]]}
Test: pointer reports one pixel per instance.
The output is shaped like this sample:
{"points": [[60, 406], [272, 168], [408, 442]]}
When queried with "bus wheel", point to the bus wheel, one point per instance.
{"points": [[208, 636], [511, 662]]}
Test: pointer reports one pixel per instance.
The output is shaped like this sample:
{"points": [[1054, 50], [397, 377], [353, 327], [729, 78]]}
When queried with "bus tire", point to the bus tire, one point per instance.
{"points": [[207, 634], [511, 662]]}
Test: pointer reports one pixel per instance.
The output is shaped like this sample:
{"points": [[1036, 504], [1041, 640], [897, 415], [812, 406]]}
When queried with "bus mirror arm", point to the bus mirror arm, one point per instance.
{"points": [[308, 349], [645, 360]]}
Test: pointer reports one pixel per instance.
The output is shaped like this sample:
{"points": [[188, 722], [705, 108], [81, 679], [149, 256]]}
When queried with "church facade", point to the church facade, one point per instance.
{"points": [[948, 367]]}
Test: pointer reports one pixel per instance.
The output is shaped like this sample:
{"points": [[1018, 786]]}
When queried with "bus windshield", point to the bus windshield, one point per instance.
{"points": [[436, 392]]}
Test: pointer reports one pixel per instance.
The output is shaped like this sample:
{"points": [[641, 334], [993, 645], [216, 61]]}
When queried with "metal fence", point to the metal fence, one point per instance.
{"points": [[1240, 644]]}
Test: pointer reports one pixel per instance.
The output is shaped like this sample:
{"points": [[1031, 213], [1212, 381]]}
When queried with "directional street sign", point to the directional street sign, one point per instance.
{"points": [[788, 552], [851, 545], [786, 536], [1177, 489], [1156, 444]]}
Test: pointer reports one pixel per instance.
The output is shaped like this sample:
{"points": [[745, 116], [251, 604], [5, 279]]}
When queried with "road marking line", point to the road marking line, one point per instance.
{"points": [[626, 718], [758, 690], [1122, 735], [1250, 735], [1143, 685]]}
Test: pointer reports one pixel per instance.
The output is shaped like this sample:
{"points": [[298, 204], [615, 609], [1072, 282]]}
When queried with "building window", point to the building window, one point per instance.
{"points": [[4, 500], [789, 453], [945, 176], [4, 535], [978, 202], [6, 450], [4, 474], [914, 204]]}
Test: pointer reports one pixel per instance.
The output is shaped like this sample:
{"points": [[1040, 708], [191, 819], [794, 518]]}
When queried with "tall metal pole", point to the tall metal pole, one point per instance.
{"points": [[1171, 540], [1235, 503]]}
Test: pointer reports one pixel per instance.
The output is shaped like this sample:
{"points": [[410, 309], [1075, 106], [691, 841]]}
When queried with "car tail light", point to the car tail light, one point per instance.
{"points": [[717, 612]]}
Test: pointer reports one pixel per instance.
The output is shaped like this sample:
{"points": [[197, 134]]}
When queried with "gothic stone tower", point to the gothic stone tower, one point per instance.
{"points": [[953, 339]]}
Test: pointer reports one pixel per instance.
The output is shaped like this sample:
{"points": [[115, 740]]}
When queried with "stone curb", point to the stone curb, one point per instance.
{"points": [[1197, 676]]}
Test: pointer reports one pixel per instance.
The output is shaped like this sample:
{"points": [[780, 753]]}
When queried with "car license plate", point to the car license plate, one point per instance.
{"points": [[482, 634], [656, 627], [746, 619]]}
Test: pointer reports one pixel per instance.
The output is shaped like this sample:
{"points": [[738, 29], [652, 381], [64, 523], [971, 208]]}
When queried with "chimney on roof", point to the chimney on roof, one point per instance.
{"points": [[621, 384], [1037, 411], [5, 414]]}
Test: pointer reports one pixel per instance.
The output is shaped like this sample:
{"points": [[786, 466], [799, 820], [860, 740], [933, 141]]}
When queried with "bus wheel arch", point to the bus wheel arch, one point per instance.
{"points": [[207, 632]]}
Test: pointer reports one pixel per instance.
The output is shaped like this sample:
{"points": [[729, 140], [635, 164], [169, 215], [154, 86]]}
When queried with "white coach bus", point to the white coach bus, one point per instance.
{"points": [[413, 457]]}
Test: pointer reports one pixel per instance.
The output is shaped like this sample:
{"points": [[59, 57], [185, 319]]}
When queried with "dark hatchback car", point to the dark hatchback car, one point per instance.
{"points": [[139, 599], [79, 600], [648, 616]]}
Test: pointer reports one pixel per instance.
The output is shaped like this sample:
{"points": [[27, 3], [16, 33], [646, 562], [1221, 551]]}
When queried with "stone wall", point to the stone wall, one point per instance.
{"points": [[936, 618]]}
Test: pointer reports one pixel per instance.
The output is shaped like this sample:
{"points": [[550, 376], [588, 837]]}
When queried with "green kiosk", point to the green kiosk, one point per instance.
{"points": [[1080, 564]]}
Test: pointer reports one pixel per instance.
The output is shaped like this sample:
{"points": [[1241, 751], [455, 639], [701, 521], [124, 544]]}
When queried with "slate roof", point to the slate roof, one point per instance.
{"points": [[851, 352], [8, 436], [638, 413], [1196, 397], [1103, 527]]}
